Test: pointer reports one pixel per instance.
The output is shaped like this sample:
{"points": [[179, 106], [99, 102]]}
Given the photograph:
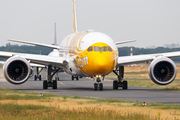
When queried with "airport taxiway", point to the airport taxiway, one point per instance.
{"points": [[84, 88]]}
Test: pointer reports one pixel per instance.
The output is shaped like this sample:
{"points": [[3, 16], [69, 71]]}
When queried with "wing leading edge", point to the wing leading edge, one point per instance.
{"points": [[125, 60], [38, 59]]}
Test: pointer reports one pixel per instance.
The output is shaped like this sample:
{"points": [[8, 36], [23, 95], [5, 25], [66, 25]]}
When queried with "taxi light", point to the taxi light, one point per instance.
{"points": [[98, 76]]}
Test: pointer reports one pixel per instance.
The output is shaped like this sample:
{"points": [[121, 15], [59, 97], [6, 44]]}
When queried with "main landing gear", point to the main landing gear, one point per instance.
{"points": [[98, 85], [119, 71], [50, 82], [38, 76], [75, 77], [57, 76]]}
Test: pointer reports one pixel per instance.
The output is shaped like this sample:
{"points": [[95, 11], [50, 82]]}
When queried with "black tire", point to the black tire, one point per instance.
{"points": [[115, 84], [77, 78], [35, 77], [72, 78], [58, 78], [100, 86], [54, 84], [80, 77], [45, 84], [95, 86], [125, 85], [39, 77]]}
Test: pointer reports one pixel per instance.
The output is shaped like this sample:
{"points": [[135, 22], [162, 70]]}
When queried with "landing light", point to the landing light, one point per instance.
{"points": [[98, 76]]}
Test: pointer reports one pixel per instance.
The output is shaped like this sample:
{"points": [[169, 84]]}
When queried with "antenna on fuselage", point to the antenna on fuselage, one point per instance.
{"points": [[55, 40], [74, 17]]}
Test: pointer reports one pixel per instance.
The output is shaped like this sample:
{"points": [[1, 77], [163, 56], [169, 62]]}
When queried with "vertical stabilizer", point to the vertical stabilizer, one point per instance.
{"points": [[55, 40], [74, 17]]}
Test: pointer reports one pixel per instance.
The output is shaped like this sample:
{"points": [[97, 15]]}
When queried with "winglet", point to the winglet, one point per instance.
{"points": [[127, 41], [74, 17]]}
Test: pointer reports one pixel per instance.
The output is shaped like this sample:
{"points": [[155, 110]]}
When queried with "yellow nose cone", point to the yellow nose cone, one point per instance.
{"points": [[101, 64]]}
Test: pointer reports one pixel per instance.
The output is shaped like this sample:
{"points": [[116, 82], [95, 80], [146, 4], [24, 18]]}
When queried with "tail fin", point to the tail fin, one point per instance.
{"points": [[74, 17], [55, 41]]}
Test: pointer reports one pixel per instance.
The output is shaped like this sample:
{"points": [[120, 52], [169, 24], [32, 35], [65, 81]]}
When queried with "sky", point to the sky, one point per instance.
{"points": [[151, 22]]}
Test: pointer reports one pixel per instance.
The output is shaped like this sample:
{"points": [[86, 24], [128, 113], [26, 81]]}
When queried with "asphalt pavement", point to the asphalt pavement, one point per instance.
{"points": [[84, 88]]}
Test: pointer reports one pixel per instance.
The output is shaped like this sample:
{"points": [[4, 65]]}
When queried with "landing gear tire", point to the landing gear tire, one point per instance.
{"points": [[35, 77], [45, 84], [125, 85], [115, 84], [39, 77], [72, 78], [95, 86], [77, 78], [54, 86], [100, 86]]}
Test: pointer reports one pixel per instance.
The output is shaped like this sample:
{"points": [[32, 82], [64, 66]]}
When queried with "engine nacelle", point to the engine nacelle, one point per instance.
{"points": [[32, 72], [162, 71], [17, 70]]}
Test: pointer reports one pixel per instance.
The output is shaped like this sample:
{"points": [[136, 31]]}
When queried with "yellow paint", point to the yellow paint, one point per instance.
{"points": [[73, 42], [92, 62], [81, 40], [96, 62]]}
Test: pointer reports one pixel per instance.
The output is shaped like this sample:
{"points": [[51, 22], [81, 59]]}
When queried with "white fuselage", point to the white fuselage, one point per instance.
{"points": [[79, 58]]}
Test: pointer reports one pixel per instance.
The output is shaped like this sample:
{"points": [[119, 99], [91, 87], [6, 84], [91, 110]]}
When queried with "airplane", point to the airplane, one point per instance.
{"points": [[55, 52], [87, 54]]}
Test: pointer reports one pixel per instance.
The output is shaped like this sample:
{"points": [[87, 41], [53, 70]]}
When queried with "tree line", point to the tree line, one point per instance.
{"points": [[123, 51]]}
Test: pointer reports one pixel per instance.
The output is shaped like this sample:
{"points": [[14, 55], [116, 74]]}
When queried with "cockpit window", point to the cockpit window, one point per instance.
{"points": [[96, 48], [109, 49], [90, 48], [104, 48]]}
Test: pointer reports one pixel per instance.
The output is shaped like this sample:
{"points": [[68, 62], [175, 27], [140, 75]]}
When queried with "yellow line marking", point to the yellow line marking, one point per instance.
{"points": [[62, 83]]}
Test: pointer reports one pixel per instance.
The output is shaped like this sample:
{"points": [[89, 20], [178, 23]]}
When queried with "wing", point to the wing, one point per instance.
{"points": [[38, 59], [31, 64], [127, 41], [144, 58]]}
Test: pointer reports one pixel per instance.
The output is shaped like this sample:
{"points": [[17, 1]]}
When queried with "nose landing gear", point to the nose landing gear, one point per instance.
{"points": [[98, 85]]}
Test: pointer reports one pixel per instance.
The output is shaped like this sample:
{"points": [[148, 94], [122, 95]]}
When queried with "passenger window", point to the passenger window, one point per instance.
{"points": [[104, 48], [96, 48], [109, 49], [90, 48]]}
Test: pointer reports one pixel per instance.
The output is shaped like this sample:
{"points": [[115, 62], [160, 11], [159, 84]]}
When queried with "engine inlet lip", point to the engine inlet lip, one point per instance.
{"points": [[163, 71], [15, 58], [154, 63], [17, 71]]}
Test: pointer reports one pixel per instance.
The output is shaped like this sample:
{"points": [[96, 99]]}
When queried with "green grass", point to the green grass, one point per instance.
{"points": [[14, 107], [7, 94], [158, 105], [37, 112], [175, 85]]}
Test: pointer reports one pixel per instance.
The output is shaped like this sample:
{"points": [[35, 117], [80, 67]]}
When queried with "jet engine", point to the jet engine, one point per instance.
{"points": [[162, 71], [17, 70], [32, 73]]}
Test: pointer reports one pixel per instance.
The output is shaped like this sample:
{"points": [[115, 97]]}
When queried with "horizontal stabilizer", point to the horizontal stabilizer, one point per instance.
{"points": [[33, 43], [127, 41]]}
